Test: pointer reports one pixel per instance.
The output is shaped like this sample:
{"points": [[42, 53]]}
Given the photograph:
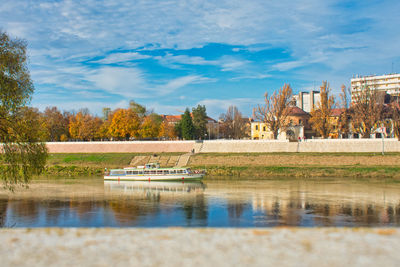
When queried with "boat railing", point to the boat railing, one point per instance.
{"points": [[197, 171]]}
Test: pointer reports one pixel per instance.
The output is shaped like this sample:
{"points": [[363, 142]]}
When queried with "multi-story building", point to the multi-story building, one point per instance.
{"points": [[388, 84], [307, 101]]}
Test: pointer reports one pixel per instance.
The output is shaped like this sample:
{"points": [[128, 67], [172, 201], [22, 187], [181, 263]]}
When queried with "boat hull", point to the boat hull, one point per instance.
{"points": [[195, 176]]}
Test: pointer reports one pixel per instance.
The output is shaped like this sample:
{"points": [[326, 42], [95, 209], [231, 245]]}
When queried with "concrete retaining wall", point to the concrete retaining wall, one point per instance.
{"points": [[120, 147], [228, 146], [314, 145]]}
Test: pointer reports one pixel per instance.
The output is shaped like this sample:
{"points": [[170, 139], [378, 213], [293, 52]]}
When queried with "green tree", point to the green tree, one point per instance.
{"points": [[24, 153], [140, 110], [187, 127], [178, 129], [106, 113], [199, 121]]}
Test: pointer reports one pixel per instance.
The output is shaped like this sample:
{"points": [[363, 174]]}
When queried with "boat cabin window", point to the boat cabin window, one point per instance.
{"points": [[159, 172], [165, 172], [117, 172], [146, 172], [172, 171]]}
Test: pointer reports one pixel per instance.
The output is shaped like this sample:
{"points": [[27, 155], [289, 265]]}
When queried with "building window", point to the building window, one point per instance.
{"points": [[264, 128], [256, 127]]}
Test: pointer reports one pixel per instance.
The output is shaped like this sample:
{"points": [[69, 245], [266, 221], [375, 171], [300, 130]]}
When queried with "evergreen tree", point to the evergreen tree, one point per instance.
{"points": [[187, 126], [200, 121], [178, 129]]}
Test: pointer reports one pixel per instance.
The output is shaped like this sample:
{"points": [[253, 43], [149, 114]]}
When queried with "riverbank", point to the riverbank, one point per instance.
{"points": [[258, 165], [200, 247]]}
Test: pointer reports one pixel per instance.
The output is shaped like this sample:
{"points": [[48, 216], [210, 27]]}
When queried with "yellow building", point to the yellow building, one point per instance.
{"points": [[297, 126], [260, 131]]}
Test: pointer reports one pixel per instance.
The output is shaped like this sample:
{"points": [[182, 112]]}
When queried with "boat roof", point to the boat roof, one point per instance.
{"points": [[164, 168]]}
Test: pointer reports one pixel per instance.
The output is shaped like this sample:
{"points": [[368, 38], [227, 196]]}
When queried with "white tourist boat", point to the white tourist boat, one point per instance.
{"points": [[153, 172]]}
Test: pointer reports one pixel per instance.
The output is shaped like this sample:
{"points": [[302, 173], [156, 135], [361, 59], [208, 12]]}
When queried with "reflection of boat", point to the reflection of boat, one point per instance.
{"points": [[152, 171], [156, 186]]}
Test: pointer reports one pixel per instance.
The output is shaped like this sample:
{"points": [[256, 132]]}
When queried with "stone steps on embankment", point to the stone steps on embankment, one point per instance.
{"points": [[139, 160], [173, 160], [164, 161], [183, 160]]}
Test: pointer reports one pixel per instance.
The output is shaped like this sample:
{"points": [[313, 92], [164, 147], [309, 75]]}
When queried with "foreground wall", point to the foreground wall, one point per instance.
{"points": [[228, 146], [200, 247]]}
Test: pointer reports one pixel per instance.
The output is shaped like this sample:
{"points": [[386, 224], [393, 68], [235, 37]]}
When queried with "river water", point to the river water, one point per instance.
{"points": [[92, 202]]}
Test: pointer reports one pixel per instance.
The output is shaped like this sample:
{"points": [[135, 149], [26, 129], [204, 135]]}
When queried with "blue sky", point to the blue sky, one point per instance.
{"points": [[169, 55]]}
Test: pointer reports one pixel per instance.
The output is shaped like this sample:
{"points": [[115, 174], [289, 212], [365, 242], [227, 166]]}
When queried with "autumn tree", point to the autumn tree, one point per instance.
{"points": [[321, 120], [167, 130], [275, 111], [84, 126], [125, 124], [345, 117], [55, 123], [395, 114], [367, 110], [150, 127], [24, 153], [233, 125], [199, 115]]}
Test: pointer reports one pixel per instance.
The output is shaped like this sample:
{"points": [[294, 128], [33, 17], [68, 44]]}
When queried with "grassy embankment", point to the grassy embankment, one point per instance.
{"points": [[300, 165], [80, 164]]}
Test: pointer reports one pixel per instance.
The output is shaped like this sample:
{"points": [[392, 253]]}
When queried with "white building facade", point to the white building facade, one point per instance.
{"points": [[389, 84], [307, 101]]}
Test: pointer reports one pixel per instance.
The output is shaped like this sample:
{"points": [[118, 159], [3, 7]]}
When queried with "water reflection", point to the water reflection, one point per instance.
{"points": [[216, 204]]}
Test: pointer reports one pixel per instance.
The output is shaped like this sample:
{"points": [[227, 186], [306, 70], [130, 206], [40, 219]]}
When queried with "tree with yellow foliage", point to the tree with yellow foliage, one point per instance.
{"points": [[83, 126], [125, 124], [150, 127], [167, 130], [321, 116]]}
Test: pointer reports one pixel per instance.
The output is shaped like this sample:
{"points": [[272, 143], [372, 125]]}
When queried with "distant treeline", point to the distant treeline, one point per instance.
{"points": [[133, 123]]}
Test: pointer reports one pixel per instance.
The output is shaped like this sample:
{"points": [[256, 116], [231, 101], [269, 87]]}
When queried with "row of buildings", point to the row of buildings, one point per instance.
{"points": [[302, 104]]}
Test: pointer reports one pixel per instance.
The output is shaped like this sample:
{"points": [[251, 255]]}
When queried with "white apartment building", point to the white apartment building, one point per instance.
{"points": [[390, 84], [307, 101]]}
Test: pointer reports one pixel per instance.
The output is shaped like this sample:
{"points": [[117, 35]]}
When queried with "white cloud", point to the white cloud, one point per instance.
{"points": [[129, 82], [121, 57], [132, 83], [322, 39]]}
